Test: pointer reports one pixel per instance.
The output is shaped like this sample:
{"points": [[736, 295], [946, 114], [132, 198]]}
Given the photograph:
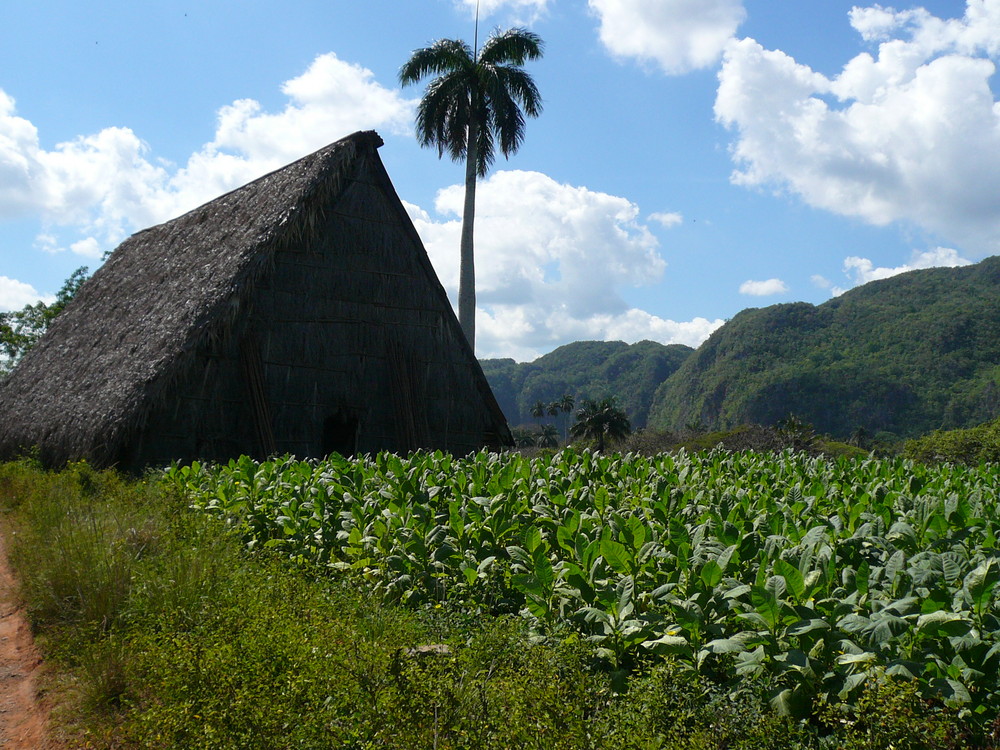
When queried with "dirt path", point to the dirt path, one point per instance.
{"points": [[23, 717]]}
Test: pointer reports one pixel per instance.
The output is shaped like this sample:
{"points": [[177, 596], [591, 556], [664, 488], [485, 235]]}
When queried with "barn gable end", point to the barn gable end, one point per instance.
{"points": [[313, 322]]}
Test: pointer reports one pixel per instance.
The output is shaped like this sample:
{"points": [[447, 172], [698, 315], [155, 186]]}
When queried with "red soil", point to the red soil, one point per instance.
{"points": [[23, 715]]}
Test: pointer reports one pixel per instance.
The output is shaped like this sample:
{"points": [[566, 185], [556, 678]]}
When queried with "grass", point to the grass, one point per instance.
{"points": [[164, 632]]}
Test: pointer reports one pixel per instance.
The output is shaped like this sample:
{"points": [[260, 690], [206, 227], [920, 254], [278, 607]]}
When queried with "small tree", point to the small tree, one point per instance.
{"points": [[21, 329], [602, 421], [798, 435]]}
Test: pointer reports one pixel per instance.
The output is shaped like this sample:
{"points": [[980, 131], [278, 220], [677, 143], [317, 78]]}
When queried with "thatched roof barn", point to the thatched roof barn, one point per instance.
{"points": [[299, 313]]}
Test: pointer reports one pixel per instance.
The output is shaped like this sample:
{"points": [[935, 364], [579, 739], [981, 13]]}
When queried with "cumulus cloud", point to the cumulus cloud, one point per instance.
{"points": [[763, 288], [521, 11], [16, 294], [909, 135], [667, 220], [551, 263], [820, 281], [105, 185], [676, 35], [862, 270]]}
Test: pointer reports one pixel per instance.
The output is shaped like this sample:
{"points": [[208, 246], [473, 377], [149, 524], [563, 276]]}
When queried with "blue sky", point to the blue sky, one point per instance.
{"points": [[694, 158]]}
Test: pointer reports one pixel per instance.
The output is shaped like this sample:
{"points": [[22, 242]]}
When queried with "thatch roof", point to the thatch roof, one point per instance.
{"points": [[134, 327]]}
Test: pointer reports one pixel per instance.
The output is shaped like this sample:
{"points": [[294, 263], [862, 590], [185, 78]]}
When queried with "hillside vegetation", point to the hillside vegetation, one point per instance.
{"points": [[585, 369], [905, 355]]}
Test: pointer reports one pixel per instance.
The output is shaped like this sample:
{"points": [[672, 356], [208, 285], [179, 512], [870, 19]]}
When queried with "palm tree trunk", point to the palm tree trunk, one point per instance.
{"points": [[467, 264]]}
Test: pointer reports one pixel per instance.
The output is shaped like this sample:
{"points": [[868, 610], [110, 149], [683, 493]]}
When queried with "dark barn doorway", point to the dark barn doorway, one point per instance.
{"points": [[340, 434]]}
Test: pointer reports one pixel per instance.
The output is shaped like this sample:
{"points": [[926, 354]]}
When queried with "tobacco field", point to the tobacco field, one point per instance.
{"points": [[812, 574]]}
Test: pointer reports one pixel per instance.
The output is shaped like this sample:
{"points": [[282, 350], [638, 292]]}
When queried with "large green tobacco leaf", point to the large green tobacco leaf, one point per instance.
{"points": [[942, 624], [980, 584]]}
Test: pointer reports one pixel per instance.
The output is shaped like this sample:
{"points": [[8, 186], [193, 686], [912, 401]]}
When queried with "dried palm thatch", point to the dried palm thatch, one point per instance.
{"points": [[299, 313]]}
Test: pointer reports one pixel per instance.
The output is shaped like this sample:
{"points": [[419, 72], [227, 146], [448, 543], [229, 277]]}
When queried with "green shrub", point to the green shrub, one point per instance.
{"points": [[970, 446], [671, 707], [892, 715]]}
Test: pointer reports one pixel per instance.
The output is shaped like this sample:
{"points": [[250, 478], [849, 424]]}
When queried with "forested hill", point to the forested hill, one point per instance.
{"points": [[907, 355], [585, 369]]}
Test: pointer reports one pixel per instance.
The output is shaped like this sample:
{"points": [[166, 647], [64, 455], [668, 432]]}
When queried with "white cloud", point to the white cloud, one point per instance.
{"points": [[333, 98], [551, 263], [106, 186], [911, 135], [820, 281], [862, 270], [763, 288], [16, 294], [676, 35], [88, 248], [667, 220], [522, 11]]}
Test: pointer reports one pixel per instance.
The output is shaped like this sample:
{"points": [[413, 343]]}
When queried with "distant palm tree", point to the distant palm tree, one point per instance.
{"points": [[566, 404], [538, 410], [479, 97], [859, 437], [602, 421], [548, 437], [523, 438]]}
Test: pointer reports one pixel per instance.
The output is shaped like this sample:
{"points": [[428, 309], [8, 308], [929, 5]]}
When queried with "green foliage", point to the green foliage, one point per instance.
{"points": [[892, 715], [756, 438], [668, 706], [21, 329], [523, 438], [602, 422], [477, 99], [594, 369], [970, 446], [196, 645], [799, 572], [676, 602], [904, 355], [78, 555], [548, 436]]}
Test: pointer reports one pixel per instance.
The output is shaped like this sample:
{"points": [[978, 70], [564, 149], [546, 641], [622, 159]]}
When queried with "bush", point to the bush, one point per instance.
{"points": [[970, 446], [670, 707], [892, 715]]}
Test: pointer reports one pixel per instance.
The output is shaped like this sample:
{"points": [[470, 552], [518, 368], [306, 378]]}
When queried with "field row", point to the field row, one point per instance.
{"points": [[808, 572]]}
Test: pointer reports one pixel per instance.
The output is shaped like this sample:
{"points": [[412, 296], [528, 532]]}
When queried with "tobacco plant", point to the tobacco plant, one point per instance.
{"points": [[808, 573]]}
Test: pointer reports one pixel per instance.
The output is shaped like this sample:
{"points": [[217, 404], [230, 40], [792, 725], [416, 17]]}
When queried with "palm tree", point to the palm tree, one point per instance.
{"points": [[566, 404], [538, 411], [601, 421], [477, 99], [548, 437], [523, 438]]}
